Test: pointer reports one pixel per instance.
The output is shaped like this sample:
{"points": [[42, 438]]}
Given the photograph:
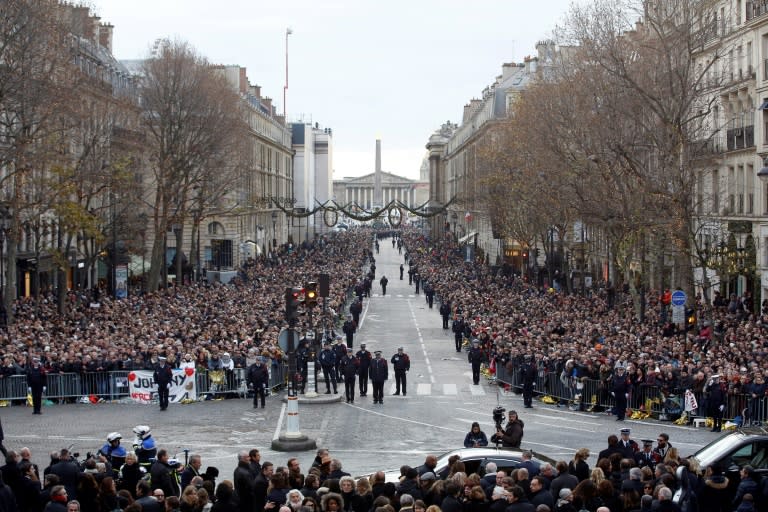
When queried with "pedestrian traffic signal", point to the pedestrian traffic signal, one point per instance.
{"points": [[310, 294], [293, 297], [690, 319]]}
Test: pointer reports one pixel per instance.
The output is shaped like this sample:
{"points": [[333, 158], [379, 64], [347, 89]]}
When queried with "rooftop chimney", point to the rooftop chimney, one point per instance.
{"points": [[105, 36]]}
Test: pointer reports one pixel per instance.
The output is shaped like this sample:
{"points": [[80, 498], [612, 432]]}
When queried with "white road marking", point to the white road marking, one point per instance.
{"points": [[450, 389], [424, 388], [476, 390]]}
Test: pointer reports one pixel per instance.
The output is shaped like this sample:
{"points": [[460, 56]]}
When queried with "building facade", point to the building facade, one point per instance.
{"points": [[313, 179]]}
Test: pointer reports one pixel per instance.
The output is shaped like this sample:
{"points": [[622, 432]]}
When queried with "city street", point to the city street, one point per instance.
{"points": [[433, 418]]}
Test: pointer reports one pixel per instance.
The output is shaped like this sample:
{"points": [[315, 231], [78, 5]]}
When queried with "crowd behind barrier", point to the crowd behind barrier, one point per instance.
{"points": [[108, 386], [593, 395]]}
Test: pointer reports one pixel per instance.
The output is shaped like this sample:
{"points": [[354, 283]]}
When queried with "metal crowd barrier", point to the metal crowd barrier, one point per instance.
{"points": [[67, 387], [593, 395]]}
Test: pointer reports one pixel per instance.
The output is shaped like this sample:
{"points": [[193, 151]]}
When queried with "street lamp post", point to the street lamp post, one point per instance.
{"points": [[274, 230], [454, 218]]}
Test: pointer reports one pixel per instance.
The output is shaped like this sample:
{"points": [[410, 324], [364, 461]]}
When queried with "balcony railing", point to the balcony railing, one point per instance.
{"points": [[740, 138], [756, 8]]}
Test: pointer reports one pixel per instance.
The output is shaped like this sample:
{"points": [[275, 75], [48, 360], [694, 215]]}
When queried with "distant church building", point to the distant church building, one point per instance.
{"points": [[379, 188]]}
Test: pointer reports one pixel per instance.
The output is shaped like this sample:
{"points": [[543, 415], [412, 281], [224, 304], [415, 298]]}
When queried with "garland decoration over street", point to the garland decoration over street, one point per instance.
{"points": [[393, 211]]}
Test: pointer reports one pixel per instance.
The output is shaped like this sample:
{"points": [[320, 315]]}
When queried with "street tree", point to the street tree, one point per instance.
{"points": [[192, 118]]}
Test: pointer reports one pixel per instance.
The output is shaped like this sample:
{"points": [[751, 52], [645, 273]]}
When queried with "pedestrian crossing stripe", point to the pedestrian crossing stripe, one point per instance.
{"points": [[446, 389]]}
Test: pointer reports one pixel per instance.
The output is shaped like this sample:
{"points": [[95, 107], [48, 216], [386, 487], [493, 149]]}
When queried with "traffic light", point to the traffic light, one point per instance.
{"points": [[293, 297], [690, 319], [310, 294]]}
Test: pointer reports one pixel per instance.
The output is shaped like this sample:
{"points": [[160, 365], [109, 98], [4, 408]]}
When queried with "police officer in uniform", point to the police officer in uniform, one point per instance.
{"points": [[258, 378], [349, 329], [37, 381], [445, 312], [339, 351], [349, 368], [528, 375], [475, 358], [163, 376], [378, 373], [620, 390], [458, 332], [302, 363], [327, 361], [364, 358], [401, 363]]}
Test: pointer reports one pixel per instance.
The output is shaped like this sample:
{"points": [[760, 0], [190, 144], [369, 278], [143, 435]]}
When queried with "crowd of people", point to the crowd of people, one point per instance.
{"points": [[228, 326], [628, 476], [590, 336], [207, 326]]}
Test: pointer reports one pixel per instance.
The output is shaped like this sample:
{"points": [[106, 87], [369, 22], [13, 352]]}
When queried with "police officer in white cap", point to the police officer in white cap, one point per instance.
{"points": [[401, 363], [37, 380], [379, 374]]}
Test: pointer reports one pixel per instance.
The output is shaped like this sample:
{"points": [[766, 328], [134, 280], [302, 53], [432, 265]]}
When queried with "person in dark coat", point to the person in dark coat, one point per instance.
{"points": [[620, 387], [475, 357], [539, 493], [58, 503], [378, 372], [2, 437], [225, 501], [37, 380], [145, 499], [528, 373], [383, 282], [260, 486], [243, 481], [162, 475], [258, 378], [163, 376], [458, 332], [364, 359], [349, 328], [445, 312], [715, 401], [518, 501], [401, 363], [67, 471], [713, 494], [327, 361], [349, 368], [451, 501], [512, 435]]}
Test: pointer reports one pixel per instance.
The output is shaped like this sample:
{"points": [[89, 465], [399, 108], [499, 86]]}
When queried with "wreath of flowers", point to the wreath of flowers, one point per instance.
{"points": [[395, 220], [334, 215]]}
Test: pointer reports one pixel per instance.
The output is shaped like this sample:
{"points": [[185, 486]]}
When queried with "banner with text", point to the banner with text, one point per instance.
{"points": [[144, 390]]}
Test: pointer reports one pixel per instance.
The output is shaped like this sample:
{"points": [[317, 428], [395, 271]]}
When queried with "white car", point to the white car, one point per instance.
{"points": [[474, 460]]}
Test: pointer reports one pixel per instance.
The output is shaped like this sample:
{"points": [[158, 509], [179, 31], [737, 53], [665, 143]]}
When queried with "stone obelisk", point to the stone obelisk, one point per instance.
{"points": [[378, 198]]}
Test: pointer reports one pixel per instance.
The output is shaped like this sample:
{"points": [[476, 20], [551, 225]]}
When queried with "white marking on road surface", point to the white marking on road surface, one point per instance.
{"points": [[424, 388], [427, 364], [450, 389], [476, 390], [279, 423], [399, 418], [556, 416], [565, 427]]}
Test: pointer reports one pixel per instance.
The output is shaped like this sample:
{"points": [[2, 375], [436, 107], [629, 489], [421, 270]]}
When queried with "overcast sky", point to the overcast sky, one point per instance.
{"points": [[393, 69]]}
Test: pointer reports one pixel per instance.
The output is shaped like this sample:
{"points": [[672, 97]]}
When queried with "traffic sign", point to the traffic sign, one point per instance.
{"points": [[678, 314], [678, 298]]}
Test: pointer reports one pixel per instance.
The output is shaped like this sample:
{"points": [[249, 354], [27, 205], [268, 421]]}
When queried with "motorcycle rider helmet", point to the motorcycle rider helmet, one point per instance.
{"points": [[142, 431], [114, 436]]}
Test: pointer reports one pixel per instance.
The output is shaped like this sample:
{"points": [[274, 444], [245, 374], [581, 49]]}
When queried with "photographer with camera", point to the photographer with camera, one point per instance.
{"points": [[512, 435], [163, 474]]}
